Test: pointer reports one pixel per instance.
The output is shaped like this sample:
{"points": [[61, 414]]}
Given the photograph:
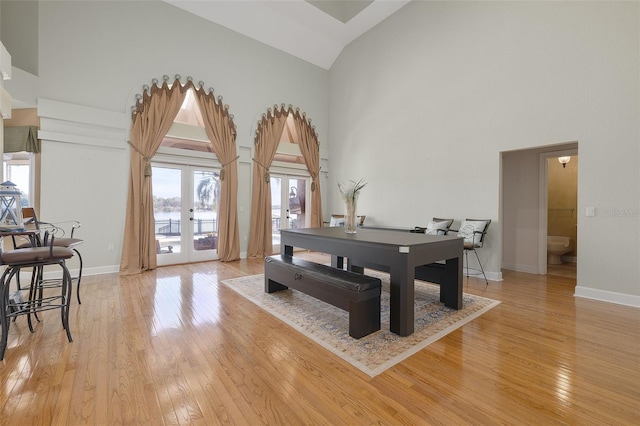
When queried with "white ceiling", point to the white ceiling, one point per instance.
{"points": [[293, 26]]}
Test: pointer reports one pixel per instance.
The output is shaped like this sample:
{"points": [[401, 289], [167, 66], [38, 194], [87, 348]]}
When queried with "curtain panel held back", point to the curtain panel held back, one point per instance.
{"points": [[310, 149], [266, 144], [151, 121], [222, 134]]}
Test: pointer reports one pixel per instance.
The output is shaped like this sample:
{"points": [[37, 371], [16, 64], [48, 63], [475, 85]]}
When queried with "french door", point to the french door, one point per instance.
{"points": [[290, 204], [186, 200]]}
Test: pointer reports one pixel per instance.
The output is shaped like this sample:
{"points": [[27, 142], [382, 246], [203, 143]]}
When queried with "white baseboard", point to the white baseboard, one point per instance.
{"points": [[521, 268], [477, 273], [585, 292], [608, 296], [101, 270], [494, 276], [114, 269], [25, 275]]}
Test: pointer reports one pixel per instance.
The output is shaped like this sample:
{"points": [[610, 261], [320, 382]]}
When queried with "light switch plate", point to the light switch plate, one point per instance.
{"points": [[591, 211]]}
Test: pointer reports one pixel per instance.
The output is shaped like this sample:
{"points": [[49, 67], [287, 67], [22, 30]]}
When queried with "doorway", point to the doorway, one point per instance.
{"points": [[186, 200], [524, 206], [559, 212], [289, 205]]}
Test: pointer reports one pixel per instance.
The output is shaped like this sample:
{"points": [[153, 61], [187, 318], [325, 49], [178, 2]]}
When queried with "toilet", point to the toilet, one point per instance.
{"points": [[556, 247]]}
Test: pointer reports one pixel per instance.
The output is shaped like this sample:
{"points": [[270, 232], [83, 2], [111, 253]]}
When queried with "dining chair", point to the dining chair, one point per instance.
{"points": [[436, 226], [338, 220], [473, 231]]}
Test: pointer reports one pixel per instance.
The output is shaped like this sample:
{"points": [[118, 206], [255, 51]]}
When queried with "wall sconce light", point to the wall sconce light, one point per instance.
{"points": [[564, 160]]}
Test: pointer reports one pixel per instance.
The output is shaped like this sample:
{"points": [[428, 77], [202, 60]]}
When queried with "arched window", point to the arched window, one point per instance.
{"points": [[152, 117], [267, 142]]}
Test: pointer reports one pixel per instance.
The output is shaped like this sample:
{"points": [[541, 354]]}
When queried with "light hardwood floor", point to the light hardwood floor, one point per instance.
{"points": [[175, 346]]}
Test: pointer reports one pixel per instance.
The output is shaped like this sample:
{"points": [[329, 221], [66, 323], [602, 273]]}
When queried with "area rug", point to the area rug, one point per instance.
{"points": [[328, 326]]}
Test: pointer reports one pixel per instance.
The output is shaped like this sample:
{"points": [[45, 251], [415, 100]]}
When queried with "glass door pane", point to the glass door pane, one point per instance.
{"points": [[288, 205], [297, 203], [276, 211], [204, 218], [185, 195], [167, 209]]}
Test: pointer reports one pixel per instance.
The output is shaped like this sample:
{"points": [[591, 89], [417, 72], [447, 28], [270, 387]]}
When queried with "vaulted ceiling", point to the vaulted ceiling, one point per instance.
{"points": [[313, 30]]}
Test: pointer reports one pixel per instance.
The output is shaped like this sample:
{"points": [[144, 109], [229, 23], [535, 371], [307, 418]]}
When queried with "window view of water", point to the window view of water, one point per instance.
{"points": [[168, 203]]}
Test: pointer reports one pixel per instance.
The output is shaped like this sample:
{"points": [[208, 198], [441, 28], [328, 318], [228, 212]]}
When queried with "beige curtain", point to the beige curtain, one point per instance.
{"points": [[310, 148], [222, 134], [266, 143], [152, 119]]}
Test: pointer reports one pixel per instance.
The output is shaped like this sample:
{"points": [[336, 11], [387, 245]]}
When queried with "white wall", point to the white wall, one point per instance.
{"points": [[423, 104], [94, 57], [20, 35], [521, 207]]}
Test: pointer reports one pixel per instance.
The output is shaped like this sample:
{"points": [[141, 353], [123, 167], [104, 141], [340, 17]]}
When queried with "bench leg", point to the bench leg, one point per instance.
{"points": [[364, 317], [271, 286]]}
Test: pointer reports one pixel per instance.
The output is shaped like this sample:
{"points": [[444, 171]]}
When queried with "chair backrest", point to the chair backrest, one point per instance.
{"points": [[338, 220], [447, 226], [473, 231], [59, 229], [436, 226], [29, 218]]}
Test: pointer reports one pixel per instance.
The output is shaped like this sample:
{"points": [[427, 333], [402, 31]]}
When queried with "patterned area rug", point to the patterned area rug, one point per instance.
{"points": [[329, 326]]}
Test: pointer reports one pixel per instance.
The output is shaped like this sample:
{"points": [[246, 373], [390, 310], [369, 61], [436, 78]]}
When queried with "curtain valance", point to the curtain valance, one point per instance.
{"points": [[22, 138]]}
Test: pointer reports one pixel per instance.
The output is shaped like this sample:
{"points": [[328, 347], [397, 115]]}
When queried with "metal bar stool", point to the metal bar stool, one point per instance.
{"points": [[34, 257], [60, 240]]}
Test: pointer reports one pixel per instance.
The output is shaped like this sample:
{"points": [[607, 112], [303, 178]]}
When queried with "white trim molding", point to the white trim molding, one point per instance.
{"points": [[77, 124], [5, 63], [6, 103], [529, 269], [608, 296]]}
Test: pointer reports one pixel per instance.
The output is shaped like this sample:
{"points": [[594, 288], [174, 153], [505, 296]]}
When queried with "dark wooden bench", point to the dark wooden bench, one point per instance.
{"points": [[355, 293]]}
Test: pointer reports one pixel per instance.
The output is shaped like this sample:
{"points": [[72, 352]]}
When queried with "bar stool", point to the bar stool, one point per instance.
{"points": [[60, 240], [34, 257]]}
